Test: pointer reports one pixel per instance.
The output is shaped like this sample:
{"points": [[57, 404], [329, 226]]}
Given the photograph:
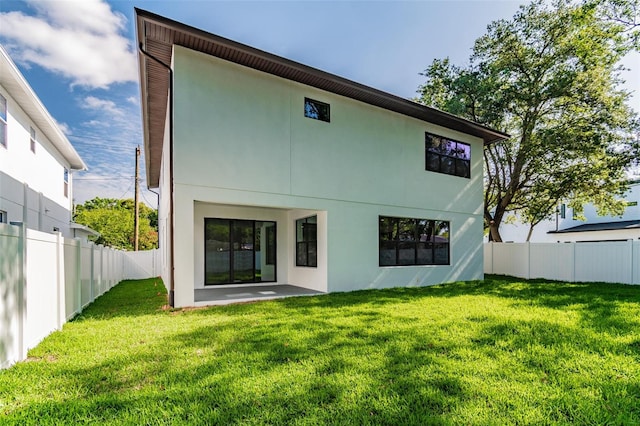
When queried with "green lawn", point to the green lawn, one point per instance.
{"points": [[502, 351]]}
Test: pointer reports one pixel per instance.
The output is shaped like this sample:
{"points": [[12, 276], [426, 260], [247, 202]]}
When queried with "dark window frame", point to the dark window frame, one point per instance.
{"points": [[271, 252], [396, 239], [307, 242], [317, 110], [439, 161]]}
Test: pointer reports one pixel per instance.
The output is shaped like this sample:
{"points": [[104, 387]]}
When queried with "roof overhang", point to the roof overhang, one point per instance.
{"points": [[157, 35], [84, 228], [20, 90]]}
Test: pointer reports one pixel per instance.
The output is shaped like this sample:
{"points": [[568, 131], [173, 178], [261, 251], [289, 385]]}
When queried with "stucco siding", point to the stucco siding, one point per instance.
{"points": [[238, 128], [244, 150]]}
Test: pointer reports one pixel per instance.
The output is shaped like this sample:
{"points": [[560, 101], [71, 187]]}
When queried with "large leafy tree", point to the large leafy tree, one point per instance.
{"points": [[114, 220], [551, 78]]}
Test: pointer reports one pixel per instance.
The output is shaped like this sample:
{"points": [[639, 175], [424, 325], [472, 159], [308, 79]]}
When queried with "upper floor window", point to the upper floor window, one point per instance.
{"points": [[307, 241], [66, 182], [409, 241], [3, 121], [3, 216], [32, 133], [447, 156], [316, 110]]}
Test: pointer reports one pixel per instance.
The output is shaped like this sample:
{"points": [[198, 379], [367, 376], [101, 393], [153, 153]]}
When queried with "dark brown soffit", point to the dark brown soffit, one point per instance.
{"points": [[157, 35]]}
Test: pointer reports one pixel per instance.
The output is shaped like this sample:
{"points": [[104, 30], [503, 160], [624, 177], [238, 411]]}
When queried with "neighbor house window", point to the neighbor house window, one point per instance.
{"points": [[447, 156], [3, 216], [32, 134], [409, 241], [563, 211], [316, 110], [307, 241], [3, 121], [66, 182]]}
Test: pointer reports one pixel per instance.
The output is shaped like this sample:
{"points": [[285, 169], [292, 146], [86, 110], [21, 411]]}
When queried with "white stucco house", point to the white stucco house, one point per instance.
{"points": [[37, 161], [274, 175], [565, 226]]}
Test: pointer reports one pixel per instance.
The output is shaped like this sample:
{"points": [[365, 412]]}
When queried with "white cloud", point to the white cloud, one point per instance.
{"points": [[101, 105], [65, 128], [81, 40]]}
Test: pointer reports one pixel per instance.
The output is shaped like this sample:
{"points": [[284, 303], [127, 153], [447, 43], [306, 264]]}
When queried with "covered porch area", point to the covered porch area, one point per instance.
{"points": [[243, 294]]}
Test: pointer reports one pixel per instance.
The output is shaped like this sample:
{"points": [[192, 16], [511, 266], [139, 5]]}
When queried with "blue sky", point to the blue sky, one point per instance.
{"points": [[79, 57]]}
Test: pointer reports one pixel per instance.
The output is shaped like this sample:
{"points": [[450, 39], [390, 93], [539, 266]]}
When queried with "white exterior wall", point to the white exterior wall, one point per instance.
{"points": [[241, 140], [32, 183]]}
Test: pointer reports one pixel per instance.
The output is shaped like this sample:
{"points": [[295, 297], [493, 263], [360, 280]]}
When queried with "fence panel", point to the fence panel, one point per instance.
{"points": [[45, 280], [42, 294], [551, 261], [604, 261], [607, 261], [511, 259], [11, 294], [71, 278]]}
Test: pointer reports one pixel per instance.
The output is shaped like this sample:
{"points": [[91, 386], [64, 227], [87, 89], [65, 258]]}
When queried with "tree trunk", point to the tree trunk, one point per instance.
{"points": [[530, 232], [494, 232]]}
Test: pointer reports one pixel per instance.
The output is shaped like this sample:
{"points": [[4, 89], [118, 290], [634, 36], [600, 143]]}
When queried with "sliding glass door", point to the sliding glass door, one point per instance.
{"points": [[239, 251]]}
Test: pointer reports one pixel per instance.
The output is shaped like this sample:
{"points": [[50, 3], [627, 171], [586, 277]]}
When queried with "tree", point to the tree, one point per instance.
{"points": [[550, 78], [113, 219]]}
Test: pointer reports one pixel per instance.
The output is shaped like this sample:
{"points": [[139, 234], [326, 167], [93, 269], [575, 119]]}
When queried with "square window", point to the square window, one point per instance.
{"points": [[316, 110], [3, 216], [447, 156]]}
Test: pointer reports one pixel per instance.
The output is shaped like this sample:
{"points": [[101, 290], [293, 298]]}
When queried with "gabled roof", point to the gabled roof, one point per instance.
{"points": [[157, 35], [605, 226], [20, 90]]}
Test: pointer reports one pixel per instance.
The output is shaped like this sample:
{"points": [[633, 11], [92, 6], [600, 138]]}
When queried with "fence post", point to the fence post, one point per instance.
{"points": [[573, 259], [78, 307], [630, 242], [59, 280], [91, 279], [22, 288]]}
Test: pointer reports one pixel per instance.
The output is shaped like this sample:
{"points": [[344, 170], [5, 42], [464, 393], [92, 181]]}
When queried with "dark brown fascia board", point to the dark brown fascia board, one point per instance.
{"points": [[357, 91]]}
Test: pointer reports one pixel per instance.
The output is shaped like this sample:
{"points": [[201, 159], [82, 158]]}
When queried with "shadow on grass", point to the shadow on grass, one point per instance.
{"points": [[353, 358]]}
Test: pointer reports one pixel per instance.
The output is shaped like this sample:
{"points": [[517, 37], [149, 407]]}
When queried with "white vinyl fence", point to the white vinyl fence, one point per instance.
{"points": [[45, 280], [608, 261]]}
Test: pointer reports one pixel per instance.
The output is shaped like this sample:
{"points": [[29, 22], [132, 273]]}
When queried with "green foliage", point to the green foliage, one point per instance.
{"points": [[550, 77], [499, 351], [114, 220]]}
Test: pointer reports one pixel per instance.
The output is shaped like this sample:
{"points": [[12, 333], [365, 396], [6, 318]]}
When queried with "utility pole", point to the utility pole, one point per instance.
{"points": [[136, 220]]}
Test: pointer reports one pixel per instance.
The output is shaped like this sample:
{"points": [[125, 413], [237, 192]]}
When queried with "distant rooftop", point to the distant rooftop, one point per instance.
{"points": [[605, 226]]}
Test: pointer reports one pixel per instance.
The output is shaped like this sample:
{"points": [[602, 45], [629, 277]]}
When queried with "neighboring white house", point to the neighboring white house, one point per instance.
{"points": [[37, 161], [565, 226], [273, 173]]}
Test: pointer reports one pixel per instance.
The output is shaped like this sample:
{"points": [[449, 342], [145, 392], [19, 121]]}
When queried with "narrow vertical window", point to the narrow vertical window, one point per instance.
{"points": [[3, 216], [32, 134], [307, 241], [563, 211], [66, 182], [3, 121], [316, 110]]}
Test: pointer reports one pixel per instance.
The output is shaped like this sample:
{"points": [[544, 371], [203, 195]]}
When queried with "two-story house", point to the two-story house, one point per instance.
{"points": [[273, 174], [37, 160]]}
